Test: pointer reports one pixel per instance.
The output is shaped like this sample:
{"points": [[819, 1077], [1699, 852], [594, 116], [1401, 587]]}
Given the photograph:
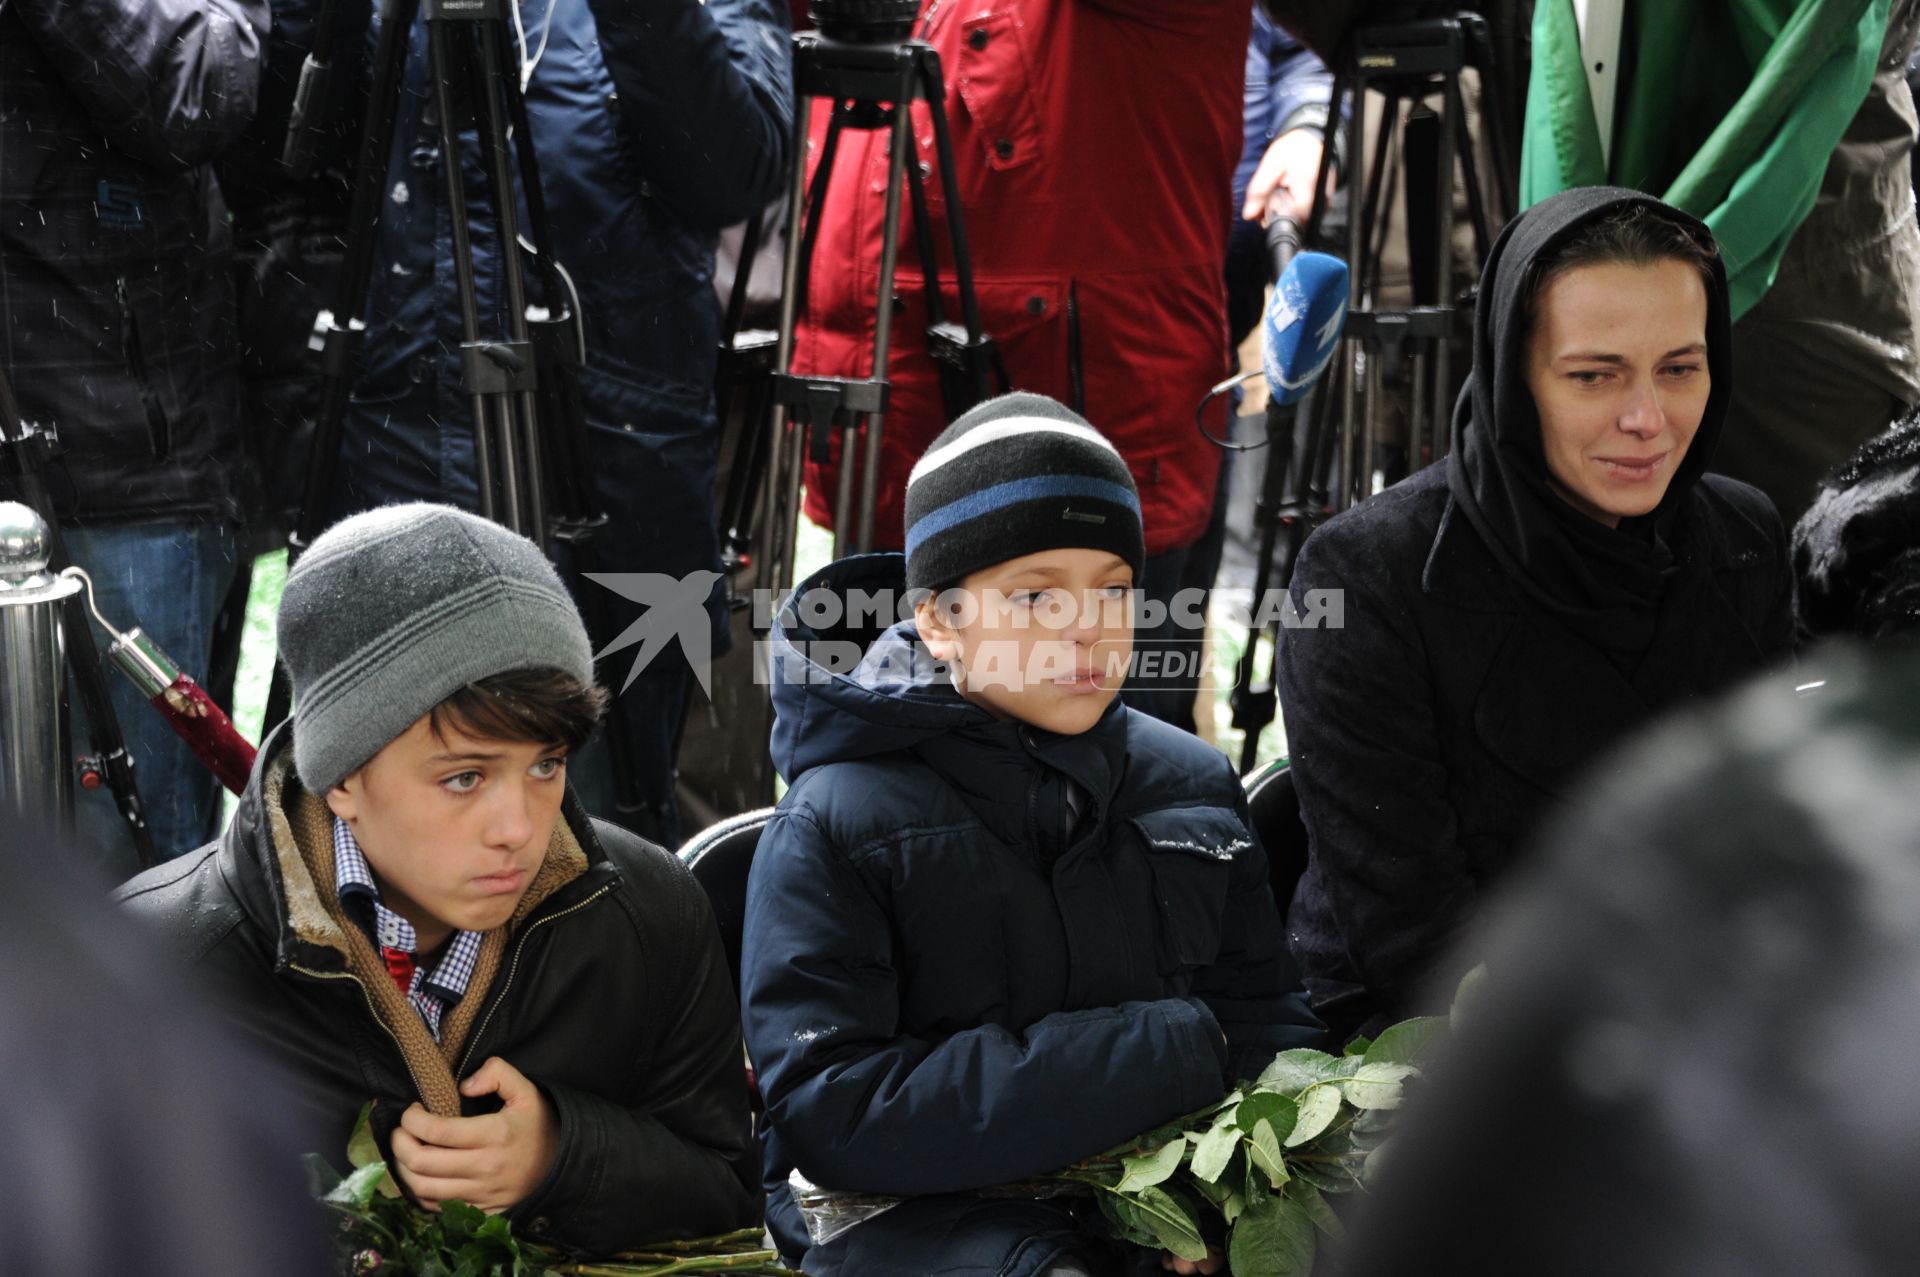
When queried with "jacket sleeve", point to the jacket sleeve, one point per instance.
{"points": [[861, 1105], [1367, 765], [1299, 88], [705, 98], [1253, 988], [682, 1162], [171, 81]]}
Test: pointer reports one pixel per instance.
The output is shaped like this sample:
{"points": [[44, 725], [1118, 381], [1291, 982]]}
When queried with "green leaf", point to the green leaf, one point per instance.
{"points": [[459, 1220], [496, 1227], [1360, 1045], [1232, 1098], [1152, 1168], [362, 1149], [1232, 1207], [1328, 1177], [1124, 1219], [472, 1260], [357, 1189], [1378, 1086], [1263, 1150], [1274, 1240], [1215, 1153], [321, 1177], [1406, 1041], [1319, 1105], [1275, 1109], [1172, 1225], [1315, 1204], [1295, 1070]]}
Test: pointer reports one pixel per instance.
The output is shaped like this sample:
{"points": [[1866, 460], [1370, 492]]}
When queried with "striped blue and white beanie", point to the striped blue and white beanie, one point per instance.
{"points": [[1014, 476]]}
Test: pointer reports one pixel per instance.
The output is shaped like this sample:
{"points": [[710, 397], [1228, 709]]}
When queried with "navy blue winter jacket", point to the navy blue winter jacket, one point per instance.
{"points": [[944, 989], [655, 124]]}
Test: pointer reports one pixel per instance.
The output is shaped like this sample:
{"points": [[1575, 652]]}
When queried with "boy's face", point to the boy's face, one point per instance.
{"points": [[1044, 638], [453, 826]]}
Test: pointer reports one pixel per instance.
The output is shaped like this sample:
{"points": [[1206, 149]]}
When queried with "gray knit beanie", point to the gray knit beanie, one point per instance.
{"points": [[392, 611]]}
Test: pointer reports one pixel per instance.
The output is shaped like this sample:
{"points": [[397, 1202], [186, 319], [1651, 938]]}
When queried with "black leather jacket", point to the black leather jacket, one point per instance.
{"points": [[613, 996], [116, 296]]}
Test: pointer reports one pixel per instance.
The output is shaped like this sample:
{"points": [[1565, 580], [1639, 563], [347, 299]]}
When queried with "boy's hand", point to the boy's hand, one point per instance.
{"points": [[1174, 1264], [490, 1162]]}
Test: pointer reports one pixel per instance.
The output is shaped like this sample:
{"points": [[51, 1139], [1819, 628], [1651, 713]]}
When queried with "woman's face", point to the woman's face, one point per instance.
{"points": [[1617, 363]]}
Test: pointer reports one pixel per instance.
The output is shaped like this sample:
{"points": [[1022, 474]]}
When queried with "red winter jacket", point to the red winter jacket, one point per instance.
{"points": [[1095, 142]]}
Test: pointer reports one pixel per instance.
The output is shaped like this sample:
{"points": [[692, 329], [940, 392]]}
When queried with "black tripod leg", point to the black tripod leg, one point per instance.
{"points": [[927, 67], [499, 501], [341, 343], [953, 394], [816, 192], [1253, 705]]}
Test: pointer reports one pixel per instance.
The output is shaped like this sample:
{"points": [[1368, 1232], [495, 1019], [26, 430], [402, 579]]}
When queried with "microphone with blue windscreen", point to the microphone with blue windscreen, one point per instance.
{"points": [[1302, 325]]}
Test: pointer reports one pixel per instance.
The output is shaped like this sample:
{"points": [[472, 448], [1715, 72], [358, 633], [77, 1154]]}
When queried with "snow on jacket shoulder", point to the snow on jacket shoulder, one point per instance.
{"points": [[116, 297]]}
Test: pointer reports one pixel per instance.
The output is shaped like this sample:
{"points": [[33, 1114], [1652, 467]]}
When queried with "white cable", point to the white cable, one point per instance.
{"points": [[546, 33], [520, 38]]}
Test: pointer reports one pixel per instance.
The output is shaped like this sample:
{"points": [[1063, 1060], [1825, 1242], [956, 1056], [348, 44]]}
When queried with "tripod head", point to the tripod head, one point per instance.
{"points": [[864, 21]]}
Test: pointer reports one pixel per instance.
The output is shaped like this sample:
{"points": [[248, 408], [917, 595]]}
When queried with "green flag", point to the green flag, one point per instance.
{"points": [[1729, 109]]}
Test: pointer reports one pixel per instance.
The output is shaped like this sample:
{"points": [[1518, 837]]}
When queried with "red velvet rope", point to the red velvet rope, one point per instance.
{"points": [[208, 731]]}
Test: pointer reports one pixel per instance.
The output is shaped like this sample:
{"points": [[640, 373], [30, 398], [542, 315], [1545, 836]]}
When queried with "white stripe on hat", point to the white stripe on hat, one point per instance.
{"points": [[1005, 428]]}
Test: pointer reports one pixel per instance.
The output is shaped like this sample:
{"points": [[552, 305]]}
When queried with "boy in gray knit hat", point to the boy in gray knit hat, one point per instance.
{"points": [[543, 1017]]}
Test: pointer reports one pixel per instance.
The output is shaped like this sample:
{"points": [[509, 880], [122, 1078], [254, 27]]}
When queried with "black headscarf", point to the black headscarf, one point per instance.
{"points": [[1607, 583]]}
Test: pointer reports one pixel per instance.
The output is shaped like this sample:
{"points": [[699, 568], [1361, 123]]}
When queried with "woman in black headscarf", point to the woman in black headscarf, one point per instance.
{"points": [[1569, 571]]}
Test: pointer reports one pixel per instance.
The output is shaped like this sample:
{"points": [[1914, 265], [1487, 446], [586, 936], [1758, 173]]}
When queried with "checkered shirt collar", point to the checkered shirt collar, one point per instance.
{"points": [[432, 992]]}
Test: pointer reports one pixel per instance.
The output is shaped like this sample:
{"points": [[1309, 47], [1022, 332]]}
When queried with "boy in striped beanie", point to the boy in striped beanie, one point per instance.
{"points": [[1023, 526], [1000, 922]]}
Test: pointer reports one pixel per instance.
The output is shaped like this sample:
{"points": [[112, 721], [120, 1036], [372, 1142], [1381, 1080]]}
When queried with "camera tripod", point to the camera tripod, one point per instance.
{"points": [[519, 367], [33, 700], [1407, 60], [873, 85]]}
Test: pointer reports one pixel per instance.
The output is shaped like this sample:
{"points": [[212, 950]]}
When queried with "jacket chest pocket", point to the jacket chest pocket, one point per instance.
{"points": [[1190, 853], [994, 79]]}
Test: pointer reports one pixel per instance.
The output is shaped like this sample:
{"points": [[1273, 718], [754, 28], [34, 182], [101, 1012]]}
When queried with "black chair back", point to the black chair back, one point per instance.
{"points": [[720, 857], [1276, 820]]}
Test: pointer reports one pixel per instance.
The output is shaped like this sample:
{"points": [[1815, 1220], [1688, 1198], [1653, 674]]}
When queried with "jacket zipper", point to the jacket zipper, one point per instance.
{"points": [[514, 966], [373, 1010], [158, 434]]}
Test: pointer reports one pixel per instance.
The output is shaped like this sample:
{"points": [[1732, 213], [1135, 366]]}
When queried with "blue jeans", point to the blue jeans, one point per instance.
{"points": [[168, 578]]}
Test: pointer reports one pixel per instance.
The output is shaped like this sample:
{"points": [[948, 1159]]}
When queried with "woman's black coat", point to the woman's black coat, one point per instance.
{"points": [[1428, 733]]}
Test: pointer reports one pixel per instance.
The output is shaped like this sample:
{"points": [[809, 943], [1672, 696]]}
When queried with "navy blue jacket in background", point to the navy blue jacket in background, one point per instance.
{"points": [[944, 990], [655, 124]]}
